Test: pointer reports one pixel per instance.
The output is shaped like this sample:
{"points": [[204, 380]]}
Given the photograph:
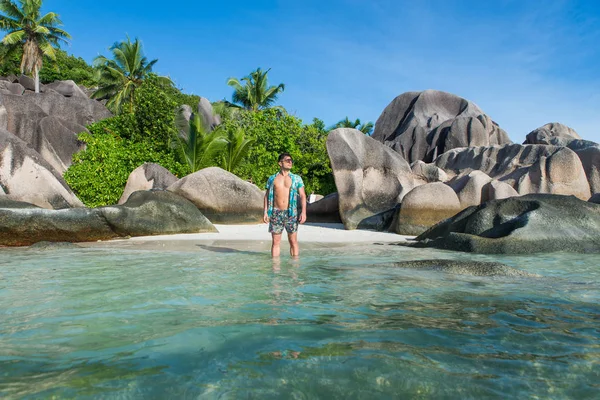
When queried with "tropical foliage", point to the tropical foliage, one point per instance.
{"points": [[122, 143], [34, 34], [99, 174], [199, 146], [236, 149], [274, 132], [253, 91], [366, 128], [64, 67], [119, 77]]}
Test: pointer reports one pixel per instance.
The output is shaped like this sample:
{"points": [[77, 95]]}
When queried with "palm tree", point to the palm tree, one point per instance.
{"points": [[199, 146], [236, 148], [37, 35], [118, 78], [366, 128], [253, 92]]}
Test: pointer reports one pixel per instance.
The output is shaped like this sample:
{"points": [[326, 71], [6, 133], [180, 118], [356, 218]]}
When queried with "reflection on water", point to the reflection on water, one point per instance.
{"points": [[221, 322]]}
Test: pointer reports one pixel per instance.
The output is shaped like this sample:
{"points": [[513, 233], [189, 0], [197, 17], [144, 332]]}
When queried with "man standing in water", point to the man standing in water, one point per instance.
{"points": [[281, 205]]}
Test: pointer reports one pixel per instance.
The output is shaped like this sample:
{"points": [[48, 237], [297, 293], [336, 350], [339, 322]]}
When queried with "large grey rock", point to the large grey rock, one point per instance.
{"points": [[56, 141], [145, 177], [527, 224], [25, 112], [26, 176], [428, 173], [25, 226], [496, 190], [209, 118], [425, 206], [470, 188], [156, 213], [461, 267], [527, 168], [221, 196], [326, 209], [560, 173], [422, 125], [553, 133], [12, 88], [371, 178], [146, 213], [67, 88], [27, 82], [589, 154]]}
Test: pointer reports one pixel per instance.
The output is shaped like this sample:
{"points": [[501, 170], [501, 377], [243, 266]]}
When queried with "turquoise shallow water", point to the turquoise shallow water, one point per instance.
{"points": [[339, 323]]}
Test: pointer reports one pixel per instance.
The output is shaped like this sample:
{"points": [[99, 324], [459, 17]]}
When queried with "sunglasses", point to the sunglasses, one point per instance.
{"points": [[287, 160]]}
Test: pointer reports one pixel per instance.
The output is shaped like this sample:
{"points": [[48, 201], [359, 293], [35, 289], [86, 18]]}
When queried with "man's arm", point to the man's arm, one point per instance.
{"points": [[266, 207], [302, 193]]}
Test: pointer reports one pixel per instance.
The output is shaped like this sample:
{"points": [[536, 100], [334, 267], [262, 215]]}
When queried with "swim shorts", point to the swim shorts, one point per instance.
{"points": [[280, 219]]}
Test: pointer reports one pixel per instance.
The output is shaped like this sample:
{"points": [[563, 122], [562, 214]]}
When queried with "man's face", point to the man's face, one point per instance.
{"points": [[286, 163]]}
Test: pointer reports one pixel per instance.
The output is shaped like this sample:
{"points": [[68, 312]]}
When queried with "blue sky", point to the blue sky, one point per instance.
{"points": [[525, 62]]}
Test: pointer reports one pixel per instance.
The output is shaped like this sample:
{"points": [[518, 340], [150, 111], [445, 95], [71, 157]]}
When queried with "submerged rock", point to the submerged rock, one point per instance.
{"points": [[475, 268], [528, 224]]}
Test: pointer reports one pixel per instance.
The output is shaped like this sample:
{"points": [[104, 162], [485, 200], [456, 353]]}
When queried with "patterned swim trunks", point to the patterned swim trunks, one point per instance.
{"points": [[280, 219]]}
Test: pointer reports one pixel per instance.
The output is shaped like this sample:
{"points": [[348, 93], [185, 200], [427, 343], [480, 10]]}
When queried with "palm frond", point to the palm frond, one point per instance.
{"points": [[14, 38]]}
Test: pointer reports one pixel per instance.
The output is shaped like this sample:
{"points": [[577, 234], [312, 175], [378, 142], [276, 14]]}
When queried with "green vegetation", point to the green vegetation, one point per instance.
{"points": [[36, 36], [366, 128], [274, 132], [118, 145], [199, 145], [64, 67], [253, 92], [99, 174], [120, 77], [147, 126]]}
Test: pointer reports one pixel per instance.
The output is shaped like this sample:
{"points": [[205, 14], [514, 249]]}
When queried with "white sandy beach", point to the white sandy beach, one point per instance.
{"points": [[256, 238], [307, 233]]}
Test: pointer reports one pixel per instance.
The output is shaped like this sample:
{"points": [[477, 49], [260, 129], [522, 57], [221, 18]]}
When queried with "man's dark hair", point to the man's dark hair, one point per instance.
{"points": [[284, 155]]}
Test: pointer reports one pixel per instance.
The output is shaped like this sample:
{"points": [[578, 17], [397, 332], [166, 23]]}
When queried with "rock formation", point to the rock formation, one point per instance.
{"points": [[370, 178], [425, 206], [25, 176], [49, 121], [528, 224], [146, 213], [423, 125], [221, 196], [527, 168], [145, 177], [326, 209]]}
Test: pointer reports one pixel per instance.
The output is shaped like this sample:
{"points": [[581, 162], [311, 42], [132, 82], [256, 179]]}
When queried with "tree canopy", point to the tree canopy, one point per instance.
{"points": [[253, 91], [119, 77], [366, 128], [35, 35]]}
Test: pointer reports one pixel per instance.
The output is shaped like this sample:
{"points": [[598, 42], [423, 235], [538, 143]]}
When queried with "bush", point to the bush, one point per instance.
{"points": [[98, 175], [275, 132]]}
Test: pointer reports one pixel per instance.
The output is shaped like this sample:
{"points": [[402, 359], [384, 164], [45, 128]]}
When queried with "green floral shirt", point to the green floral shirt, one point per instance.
{"points": [[294, 193]]}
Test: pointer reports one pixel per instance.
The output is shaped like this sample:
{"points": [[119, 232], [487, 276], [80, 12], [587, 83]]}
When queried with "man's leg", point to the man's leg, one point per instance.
{"points": [[275, 250], [294, 248]]}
